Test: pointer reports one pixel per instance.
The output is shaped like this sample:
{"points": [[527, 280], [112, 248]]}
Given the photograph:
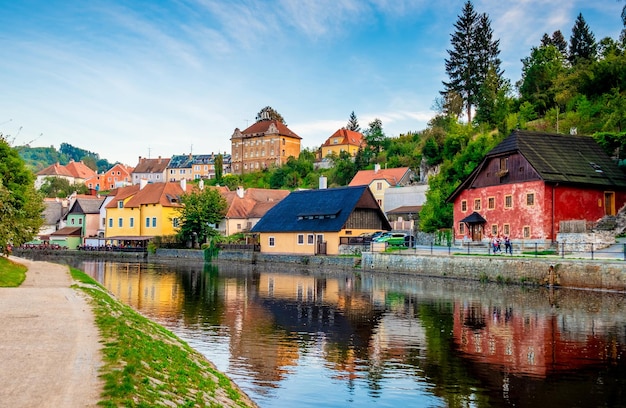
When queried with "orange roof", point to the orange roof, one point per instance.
{"points": [[166, 194], [55, 170], [263, 126], [122, 193], [348, 137], [79, 170], [254, 204], [392, 176]]}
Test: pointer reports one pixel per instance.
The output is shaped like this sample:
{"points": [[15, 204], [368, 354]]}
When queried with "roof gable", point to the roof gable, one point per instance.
{"points": [[80, 170], [268, 127], [151, 165], [348, 137], [55, 170]]}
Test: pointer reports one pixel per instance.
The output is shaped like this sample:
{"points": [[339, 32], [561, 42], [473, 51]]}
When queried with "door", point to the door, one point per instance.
{"points": [[609, 203], [476, 232], [321, 245]]}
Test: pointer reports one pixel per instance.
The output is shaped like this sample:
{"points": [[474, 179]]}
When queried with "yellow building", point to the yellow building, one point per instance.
{"points": [[379, 180], [343, 140], [144, 211], [315, 222], [266, 143]]}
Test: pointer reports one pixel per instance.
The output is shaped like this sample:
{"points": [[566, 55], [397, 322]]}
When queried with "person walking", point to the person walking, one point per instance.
{"points": [[508, 246]]}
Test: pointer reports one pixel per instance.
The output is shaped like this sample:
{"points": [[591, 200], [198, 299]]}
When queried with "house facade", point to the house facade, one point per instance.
{"points": [[150, 170], [379, 180], [196, 167], [144, 211], [532, 181], [313, 222], [54, 170], [266, 143], [119, 175], [85, 213], [343, 140]]}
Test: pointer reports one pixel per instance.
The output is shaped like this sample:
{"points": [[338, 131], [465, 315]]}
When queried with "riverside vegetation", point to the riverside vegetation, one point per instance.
{"points": [[146, 365]]}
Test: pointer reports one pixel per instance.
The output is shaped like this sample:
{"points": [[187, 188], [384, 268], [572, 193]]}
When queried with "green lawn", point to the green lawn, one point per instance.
{"points": [[11, 274]]}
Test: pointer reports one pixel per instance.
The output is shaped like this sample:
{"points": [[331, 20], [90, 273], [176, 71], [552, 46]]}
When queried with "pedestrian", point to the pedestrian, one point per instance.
{"points": [[496, 244], [508, 246]]}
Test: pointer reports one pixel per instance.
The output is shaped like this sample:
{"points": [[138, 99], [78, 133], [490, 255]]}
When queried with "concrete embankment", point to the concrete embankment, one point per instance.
{"points": [[610, 275]]}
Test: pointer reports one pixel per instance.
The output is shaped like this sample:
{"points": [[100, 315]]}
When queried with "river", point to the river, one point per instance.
{"points": [[296, 336]]}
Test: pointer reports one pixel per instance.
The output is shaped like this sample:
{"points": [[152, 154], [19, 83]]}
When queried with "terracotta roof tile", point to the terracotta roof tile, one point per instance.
{"points": [[263, 126], [151, 165], [80, 170], [348, 137], [55, 170], [365, 177]]}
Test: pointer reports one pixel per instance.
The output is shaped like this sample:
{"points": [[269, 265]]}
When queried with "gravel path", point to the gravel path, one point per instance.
{"points": [[49, 343]]}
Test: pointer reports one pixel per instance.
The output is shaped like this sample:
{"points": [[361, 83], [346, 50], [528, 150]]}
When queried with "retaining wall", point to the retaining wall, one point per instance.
{"points": [[258, 257], [576, 273]]}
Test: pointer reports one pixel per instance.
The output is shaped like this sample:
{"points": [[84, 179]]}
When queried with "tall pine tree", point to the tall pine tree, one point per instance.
{"points": [[473, 54], [353, 123], [582, 43]]}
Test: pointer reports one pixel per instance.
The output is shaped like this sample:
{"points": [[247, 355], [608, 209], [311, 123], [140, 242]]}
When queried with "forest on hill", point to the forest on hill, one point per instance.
{"points": [[578, 84]]}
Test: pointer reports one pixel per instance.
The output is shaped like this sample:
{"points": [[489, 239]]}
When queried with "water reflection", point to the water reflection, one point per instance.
{"points": [[328, 338]]}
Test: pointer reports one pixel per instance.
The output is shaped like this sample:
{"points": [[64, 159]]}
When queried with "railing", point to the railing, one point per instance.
{"points": [[240, 247], [557, 250]]}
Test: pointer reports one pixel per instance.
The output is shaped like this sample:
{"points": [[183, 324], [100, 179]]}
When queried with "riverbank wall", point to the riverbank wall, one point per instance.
{"points": [[579, 273], [349, 262]]}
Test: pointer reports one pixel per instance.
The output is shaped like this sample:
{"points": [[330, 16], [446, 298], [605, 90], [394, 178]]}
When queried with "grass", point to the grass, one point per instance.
{"points": [[11, 274], [146, 365]]}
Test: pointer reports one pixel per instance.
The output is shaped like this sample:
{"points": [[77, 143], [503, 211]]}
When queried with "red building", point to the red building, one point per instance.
{"points": [[531, 181]]}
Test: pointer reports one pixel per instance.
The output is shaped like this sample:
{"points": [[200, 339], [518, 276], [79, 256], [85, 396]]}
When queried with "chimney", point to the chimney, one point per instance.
{"points": [[142, 183], [376, 168], [323, 183], [159, 160], [183, 184], [240, 191]]}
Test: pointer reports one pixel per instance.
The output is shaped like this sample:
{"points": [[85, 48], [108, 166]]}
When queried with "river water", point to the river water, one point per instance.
{"points": [[296, 336]]}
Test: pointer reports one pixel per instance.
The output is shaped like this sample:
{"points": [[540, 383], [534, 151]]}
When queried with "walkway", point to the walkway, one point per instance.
{"points": [[49, 343]]}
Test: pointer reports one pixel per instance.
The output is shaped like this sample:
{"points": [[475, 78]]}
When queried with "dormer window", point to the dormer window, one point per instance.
{"points": [[120, 204]]}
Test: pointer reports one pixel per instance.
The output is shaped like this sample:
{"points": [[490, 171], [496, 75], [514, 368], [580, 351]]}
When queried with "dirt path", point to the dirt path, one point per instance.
{"points": [[49, 343]]}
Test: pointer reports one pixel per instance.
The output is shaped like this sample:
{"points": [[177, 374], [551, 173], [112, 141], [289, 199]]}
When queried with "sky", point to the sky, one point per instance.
{"points": [[157, 78]]}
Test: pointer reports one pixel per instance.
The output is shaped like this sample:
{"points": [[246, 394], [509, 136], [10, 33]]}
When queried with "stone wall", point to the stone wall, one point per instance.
{"points": [[259, 258], [179, 253], [574, 273], [585, 242]]}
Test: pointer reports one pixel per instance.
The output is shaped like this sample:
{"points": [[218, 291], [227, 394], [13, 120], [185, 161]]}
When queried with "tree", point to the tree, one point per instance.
{"points": [[582, 43], [200, 210], [20, 204], [53, 187], [218, 163], [353, 123], [556, 40], [473, 53], [374, 136], [269, 113], [540, 72]]}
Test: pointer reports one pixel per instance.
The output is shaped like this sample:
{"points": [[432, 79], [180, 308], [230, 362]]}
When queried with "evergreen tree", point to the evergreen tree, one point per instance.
{"points": [[374, 136], [218, 163], [353, 123], [20, 204], [269, 113], [582, 43], [473, 53], [559, 42]]}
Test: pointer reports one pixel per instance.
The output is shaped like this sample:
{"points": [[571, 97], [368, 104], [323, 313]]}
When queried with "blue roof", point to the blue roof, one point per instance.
{"points": [[325, 210]]}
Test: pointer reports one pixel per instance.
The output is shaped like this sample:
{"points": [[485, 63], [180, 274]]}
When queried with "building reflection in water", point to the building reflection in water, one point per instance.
{"points": [[451, 340]]}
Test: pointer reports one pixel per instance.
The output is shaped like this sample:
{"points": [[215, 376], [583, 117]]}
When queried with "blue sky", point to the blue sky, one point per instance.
{"points": [[153, 78]]}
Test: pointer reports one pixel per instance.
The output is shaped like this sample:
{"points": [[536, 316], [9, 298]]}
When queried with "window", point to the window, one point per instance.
{"points": [[477, 204], [504, 163], [238, 227], [527, 231], [464, 205], [379, 185], [508, 201], [310, 239], [131, 221], [300, 239], [506, 229], [491, 203], [72, 221], [120, 222], [175, 222], [530, 199], [120, 204], [380, 202], [461, 228], [271, 241], [80, 221], [147, 222], [154, 222], [494, 229], [110, 222]]}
